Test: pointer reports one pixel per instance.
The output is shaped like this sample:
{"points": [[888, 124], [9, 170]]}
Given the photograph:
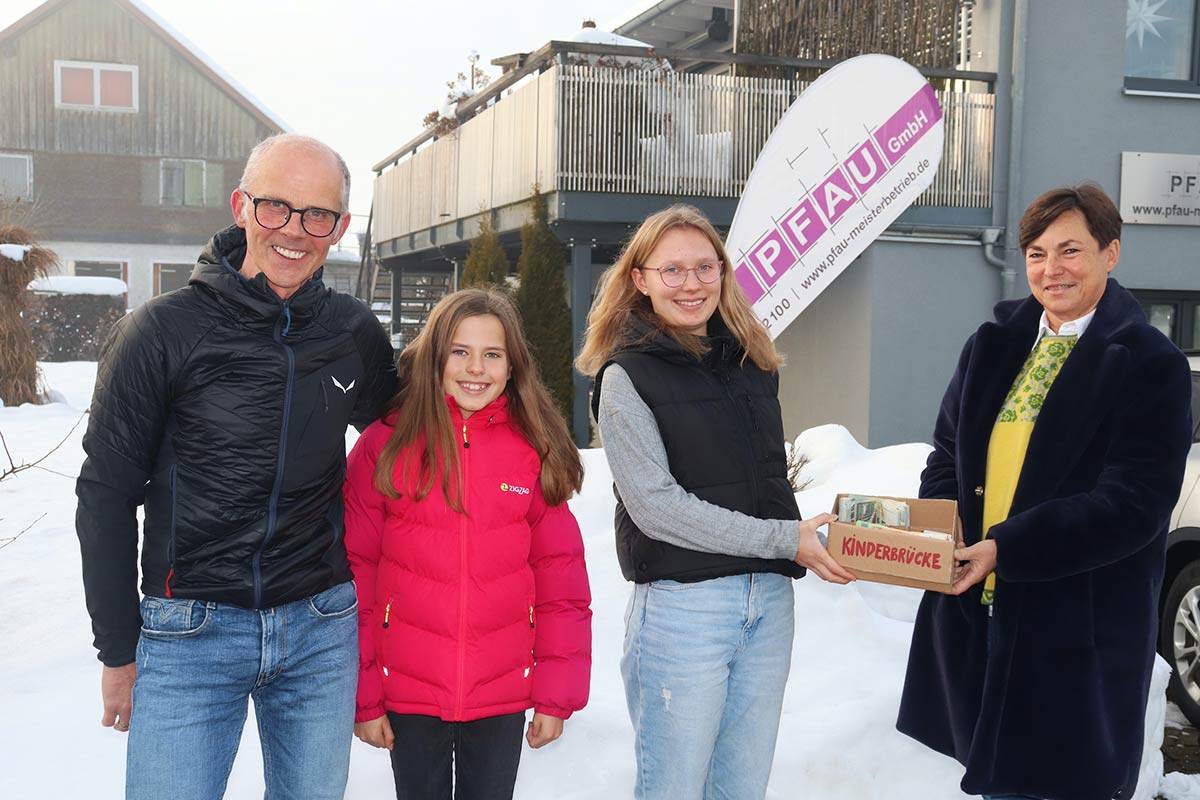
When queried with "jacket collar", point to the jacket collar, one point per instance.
{"points": [[493, 413], [251, 300], [1116, 311], [641, 334]]}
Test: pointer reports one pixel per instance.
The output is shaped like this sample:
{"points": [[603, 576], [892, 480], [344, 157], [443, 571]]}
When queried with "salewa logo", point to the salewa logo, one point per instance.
{"points": [[344, 389], [508, 487]]}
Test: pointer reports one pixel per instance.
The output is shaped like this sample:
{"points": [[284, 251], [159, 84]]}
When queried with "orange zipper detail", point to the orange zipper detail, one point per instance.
{"points": [[465, 442], [531, 616], [387, 612]]}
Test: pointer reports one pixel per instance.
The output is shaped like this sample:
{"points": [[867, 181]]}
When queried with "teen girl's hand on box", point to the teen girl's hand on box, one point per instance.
{"points": [[811, 554]]}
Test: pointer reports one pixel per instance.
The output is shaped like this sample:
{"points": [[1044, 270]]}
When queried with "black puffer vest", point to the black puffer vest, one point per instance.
{"points": [[723, 430]]}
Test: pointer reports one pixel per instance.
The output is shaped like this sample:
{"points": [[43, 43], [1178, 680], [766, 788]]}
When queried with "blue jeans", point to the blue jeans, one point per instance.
{"points": [[705, 666], [198, 663]]}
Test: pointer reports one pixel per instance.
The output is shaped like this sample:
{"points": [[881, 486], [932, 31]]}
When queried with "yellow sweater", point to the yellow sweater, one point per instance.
{"points": [[1010, 434]]}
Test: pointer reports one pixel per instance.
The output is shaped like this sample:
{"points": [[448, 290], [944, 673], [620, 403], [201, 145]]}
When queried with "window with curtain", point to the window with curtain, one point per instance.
{"points": [[102, 87]]}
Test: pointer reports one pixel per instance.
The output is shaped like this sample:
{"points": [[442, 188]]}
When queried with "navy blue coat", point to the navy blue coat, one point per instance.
{"points": [[1054, 705]]}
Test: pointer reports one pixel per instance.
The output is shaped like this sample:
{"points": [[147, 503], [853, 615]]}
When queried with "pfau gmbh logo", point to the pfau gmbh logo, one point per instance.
{"points": [[508, 487]]}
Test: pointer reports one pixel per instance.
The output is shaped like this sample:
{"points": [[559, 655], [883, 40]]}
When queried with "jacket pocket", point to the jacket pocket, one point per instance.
{"points": [[167, 618]]}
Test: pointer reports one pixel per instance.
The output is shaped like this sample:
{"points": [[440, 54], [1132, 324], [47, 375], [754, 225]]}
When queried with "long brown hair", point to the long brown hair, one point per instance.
{"points": [[618, 297], [423, 416]]}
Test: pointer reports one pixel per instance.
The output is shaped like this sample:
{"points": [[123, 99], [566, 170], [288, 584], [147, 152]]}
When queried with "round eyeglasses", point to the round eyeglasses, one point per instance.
{"points": [[274, 214], [675, 277]]}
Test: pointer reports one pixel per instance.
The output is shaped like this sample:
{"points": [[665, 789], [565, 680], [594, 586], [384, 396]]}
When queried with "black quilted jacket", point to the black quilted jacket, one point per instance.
{"points": [[223, 410]]}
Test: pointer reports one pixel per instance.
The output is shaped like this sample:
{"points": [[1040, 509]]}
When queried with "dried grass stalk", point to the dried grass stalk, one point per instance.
{"points": [[18, 359]]}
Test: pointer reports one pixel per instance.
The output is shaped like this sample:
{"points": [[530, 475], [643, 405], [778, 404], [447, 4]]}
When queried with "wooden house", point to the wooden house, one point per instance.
{"points": [[120, 143]]}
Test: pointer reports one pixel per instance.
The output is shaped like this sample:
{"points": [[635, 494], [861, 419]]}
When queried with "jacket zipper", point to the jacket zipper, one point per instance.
{"points": [[387, 612], [462, 585], [281, 330], [171, 538]]}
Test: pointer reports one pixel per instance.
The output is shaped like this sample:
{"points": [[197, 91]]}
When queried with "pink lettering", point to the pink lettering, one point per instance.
{"points": [[864, 167], [771, 258], [802, 227], [834, 196]]}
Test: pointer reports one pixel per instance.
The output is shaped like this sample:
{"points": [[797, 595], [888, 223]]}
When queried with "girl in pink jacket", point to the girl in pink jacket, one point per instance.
{"points": [[473, 594]]}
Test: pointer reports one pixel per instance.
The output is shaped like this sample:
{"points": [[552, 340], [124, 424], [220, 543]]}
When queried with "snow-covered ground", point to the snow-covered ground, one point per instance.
{"points": [[837, 738]]}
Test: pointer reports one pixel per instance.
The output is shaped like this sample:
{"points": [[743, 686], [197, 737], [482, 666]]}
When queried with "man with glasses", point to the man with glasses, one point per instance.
{"points": [[222, 408]]}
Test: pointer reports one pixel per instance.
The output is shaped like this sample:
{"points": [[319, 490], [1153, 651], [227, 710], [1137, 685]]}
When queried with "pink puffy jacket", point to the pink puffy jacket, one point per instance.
{"points": [[464, 616]]}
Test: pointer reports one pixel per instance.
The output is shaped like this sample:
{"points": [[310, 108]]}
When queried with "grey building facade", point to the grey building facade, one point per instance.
{"points": [[1060, 91]]}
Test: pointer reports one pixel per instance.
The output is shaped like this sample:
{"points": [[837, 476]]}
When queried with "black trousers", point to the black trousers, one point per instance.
{"points": [[437, 760]]}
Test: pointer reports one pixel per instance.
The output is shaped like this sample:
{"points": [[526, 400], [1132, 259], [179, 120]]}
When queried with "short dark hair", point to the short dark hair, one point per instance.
{"points": [[1102, 217]]}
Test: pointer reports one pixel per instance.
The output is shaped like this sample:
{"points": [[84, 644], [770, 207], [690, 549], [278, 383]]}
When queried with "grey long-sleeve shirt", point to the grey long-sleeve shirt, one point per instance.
{"points": [[662, 508]]}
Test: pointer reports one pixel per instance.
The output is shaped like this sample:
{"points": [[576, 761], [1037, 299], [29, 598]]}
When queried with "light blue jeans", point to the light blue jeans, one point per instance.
{"points": [[198, 663], [705, 666]]}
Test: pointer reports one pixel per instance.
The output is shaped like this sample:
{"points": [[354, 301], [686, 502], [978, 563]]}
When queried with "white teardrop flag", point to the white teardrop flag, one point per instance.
{"points": [[855, 150]]}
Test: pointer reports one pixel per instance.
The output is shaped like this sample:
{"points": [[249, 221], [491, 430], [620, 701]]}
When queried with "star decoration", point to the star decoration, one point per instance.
{"points": [[1141, 16]]}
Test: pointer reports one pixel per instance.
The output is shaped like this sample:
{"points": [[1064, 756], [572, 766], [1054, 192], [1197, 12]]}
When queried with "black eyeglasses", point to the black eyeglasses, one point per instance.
{"points": [[675, 277], [274, 214]]}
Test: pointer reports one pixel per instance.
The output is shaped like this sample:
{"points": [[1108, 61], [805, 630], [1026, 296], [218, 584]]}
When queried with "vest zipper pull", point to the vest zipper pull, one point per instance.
{"points": [[531, 616], [387, 612], [465, 442]]}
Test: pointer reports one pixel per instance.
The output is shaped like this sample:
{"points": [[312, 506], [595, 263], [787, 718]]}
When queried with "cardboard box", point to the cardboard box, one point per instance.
{"points": [[898, 556]]}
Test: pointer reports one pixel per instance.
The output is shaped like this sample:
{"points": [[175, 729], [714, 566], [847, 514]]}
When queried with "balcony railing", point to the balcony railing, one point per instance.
{"points": [[583, 128]]}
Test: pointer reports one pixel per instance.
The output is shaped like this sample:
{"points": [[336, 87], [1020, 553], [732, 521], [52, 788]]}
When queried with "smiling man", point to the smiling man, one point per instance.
{"points": [[222, 408]]}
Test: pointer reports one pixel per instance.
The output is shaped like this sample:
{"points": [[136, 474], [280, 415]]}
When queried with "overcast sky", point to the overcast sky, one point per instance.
{"points": [[360, 74]]}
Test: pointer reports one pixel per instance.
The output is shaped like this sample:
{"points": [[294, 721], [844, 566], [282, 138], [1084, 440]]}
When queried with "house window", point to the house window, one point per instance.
{"points": [[103, 87], [1162, 45], [181, 182], [1176, 314], [169, 277], [103, 269], [16, 177]]}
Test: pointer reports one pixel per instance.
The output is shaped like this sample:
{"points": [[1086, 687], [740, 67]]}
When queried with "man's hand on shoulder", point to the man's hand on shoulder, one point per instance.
{"points": [[116, 688]]}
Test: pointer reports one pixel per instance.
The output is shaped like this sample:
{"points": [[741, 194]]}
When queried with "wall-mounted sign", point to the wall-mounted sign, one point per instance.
{"points": [[1160, 188], [846, 159]]}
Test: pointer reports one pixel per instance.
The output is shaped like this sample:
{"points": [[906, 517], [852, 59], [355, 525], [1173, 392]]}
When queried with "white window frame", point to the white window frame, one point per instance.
{"points": [[126, 265], [28, 195], [95, 67], [162, 200]]}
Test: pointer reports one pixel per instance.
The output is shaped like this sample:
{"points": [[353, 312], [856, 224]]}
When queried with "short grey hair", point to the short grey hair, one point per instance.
{"points": [[254, 161]]}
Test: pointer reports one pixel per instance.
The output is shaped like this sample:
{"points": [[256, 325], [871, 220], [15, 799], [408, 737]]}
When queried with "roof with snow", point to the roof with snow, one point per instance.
{"points": [[141, 11], [79, 284]]}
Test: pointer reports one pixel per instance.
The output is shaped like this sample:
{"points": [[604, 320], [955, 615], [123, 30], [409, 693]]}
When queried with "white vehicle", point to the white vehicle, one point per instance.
{"points": [[1179, 626]]}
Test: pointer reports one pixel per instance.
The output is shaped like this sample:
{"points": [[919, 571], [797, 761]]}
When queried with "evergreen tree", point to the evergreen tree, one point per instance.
{"points": [[486, 261], [542, 301]]}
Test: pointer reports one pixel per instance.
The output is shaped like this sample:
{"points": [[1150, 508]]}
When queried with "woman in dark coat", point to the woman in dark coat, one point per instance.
{"points": [[1063, 436]]}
